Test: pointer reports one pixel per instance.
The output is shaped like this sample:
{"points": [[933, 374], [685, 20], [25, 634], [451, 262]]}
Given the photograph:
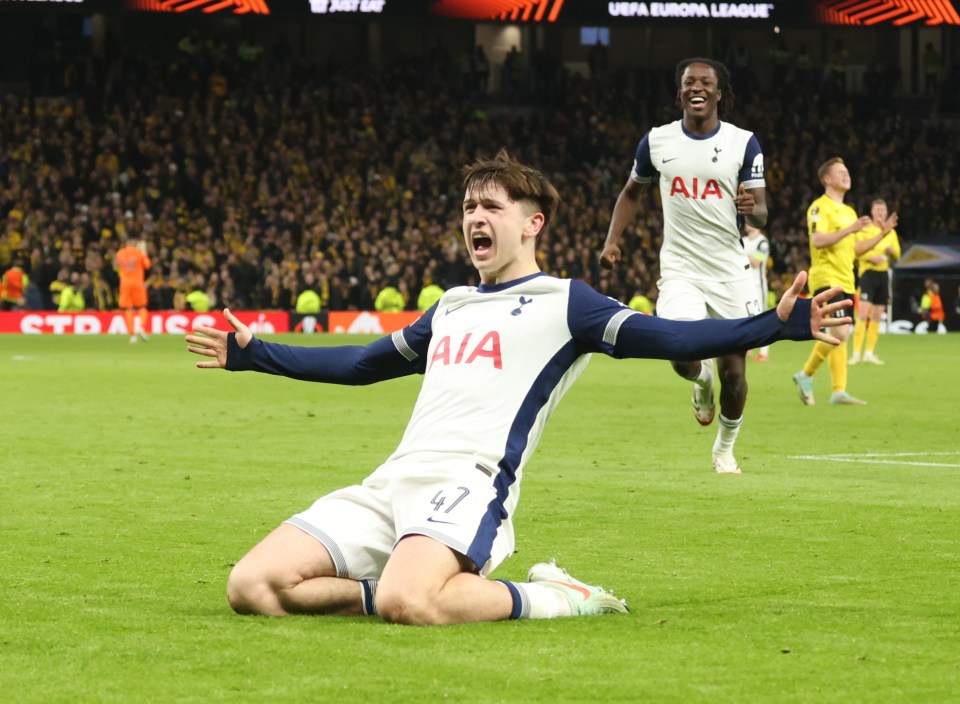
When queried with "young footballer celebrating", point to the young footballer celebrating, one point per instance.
{"points": [[416, 541]]}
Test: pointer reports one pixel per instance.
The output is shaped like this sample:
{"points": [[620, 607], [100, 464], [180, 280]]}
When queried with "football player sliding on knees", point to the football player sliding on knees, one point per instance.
{"points": [[417, 540]]}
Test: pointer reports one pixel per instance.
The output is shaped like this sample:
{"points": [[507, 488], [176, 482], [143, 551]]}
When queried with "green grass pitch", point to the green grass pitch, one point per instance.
{"points": [[828, 572]]}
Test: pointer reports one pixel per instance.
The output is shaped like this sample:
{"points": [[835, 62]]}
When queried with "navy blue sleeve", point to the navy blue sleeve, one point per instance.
{"points": [[601, 324], [400, 354], [642, 164], [752, 170], [687, 340]]}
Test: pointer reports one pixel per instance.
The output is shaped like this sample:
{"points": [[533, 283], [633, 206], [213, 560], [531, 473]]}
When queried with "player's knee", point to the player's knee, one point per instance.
{"points": [[407, 609], [248, 591]]}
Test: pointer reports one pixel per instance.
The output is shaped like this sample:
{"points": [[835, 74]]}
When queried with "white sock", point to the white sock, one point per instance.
{"points": [[727, 431], [705, 379], [540, 601]]}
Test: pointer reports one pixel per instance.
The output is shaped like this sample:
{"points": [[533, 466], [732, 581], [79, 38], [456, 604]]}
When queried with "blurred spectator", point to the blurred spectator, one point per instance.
{"points": [[13, 285], [481, 70], [390, 299], [931, 306], [308, 301], [71, 297], [641, 303], [429, 295], [249, 51], [598, 61], [198, 299], [510, 73], [33, 298]]}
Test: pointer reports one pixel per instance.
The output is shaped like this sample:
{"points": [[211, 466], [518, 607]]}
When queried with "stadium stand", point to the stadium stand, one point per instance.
{"points": [[244, 184]]}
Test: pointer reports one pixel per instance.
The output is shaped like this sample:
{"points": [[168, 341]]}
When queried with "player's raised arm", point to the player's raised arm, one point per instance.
{"points": [[211, 342]]}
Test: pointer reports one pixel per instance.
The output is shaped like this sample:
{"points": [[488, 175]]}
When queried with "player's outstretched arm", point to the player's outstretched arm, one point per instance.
{"points": [[238, 350], [211, 342], [820, 310]]}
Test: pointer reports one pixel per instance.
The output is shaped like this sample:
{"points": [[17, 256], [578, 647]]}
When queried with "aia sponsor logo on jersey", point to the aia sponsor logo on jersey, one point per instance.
{"points": [[469, 350], [695, 189]]}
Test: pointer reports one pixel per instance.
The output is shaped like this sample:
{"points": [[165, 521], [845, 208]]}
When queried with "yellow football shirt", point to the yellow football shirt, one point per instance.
{"points": [[889, 240], [833, 265]]}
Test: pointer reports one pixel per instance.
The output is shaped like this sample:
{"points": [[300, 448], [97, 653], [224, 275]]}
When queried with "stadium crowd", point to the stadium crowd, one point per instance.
{"points": [[253, 180]]}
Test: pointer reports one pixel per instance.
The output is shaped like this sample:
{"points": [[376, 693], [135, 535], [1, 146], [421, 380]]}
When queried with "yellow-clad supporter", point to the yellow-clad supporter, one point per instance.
{"points": [[641, 304], [308, 300], [71, 296], [390, 299], [198, 300], [429, 295]]}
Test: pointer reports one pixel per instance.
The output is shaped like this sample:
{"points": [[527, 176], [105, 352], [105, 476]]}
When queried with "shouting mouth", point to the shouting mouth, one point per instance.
{"points": [[481, 243]]}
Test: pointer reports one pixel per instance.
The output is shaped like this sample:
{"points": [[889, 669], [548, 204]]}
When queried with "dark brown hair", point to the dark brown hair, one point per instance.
{"points": [[521, 182]]}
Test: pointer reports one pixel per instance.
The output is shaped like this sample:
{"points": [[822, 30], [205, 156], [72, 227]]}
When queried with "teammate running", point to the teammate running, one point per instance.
{"points": [[711, 178]]}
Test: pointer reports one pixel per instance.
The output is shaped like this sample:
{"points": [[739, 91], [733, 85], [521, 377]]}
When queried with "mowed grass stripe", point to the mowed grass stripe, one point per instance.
{"points": [[133, 481]]}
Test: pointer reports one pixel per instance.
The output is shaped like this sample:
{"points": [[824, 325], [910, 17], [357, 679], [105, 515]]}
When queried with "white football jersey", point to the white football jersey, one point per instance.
{"points": [[506, 341], [699, 178], [759, 248]]}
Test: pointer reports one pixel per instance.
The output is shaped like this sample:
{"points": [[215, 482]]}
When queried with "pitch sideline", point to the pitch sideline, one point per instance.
{"points": [[872, 458]]}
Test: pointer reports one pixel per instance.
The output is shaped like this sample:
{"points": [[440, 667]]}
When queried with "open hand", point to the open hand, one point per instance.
{"points": [[821, 312], [211, 342]]}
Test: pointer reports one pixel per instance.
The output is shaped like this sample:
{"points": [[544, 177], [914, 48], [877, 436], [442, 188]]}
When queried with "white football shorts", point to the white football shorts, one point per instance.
{"points": [[688, 299], [451, 499]]}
